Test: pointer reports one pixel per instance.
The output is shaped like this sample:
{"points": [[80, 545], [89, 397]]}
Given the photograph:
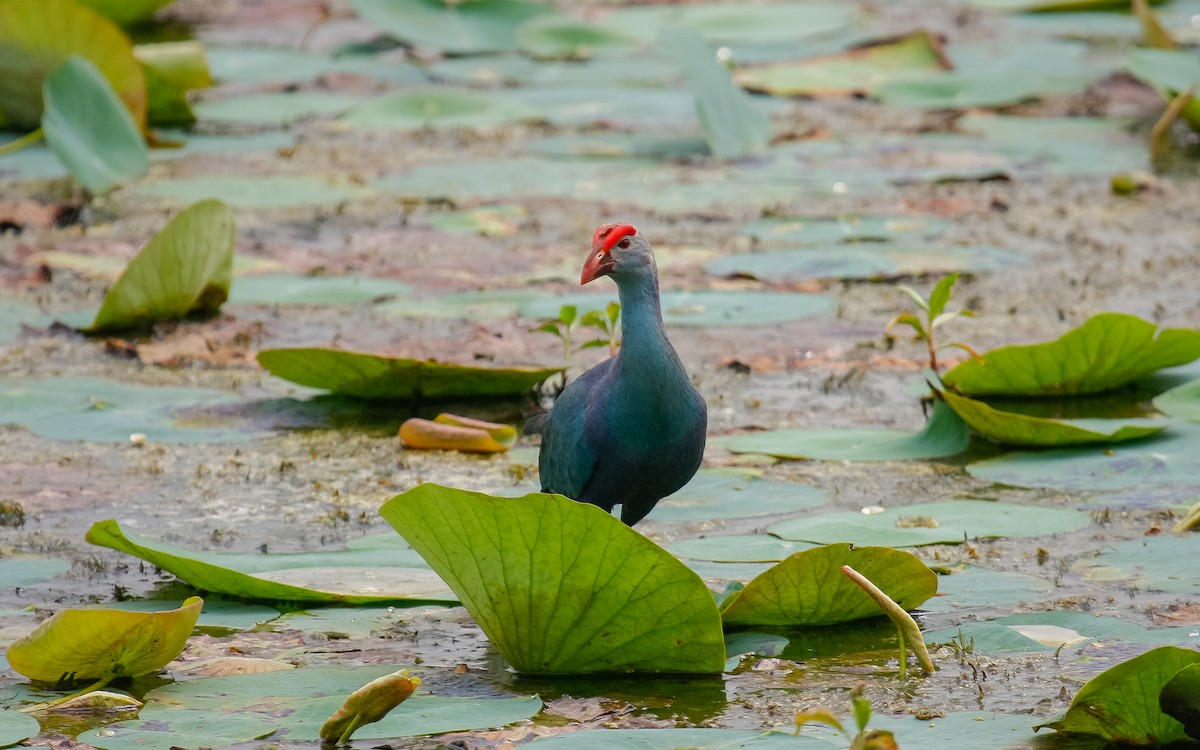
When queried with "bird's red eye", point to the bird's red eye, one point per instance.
{"points": [[623, 243]]}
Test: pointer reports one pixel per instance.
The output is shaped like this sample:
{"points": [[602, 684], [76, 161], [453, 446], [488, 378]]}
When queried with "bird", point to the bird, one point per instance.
{"points": [[630, 430]]}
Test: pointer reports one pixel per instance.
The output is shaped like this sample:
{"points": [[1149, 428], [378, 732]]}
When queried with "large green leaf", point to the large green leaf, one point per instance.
{"points": [[1180, 699], [377, 376], [808, 588], [187, 268], [1010, 428], [103, 644], [732, 124], [945, 434], [1106, 352], [127, 12], [89, 128], [454, 27], [560, 586], [947, 522], [36, 36], [1121, 704], [334, 578]]}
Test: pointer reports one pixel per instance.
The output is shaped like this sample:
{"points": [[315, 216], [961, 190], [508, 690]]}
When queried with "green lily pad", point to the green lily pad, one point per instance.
{"points": [[949, 522], [257, 64], [97, 409], [16, 727], [89, 128], [732, 125], [1121, 704], [457, 28], [945, 434], [553, 37], [340, 622], [1010, 428], [36, 36], [195, 729], [734, 23], [808, 588], [736, 493], [863, 261], [860, 70], [498, 220], [803, 230], [377, 376], [127, 12], [641, 109], [700, 308], [560, 586], [185, 269], [1172, 459], [103, 644], [975, 586], [1049, 631], [1106, 352], [252, 192], [605, 70], [1158, 563], [1180, 699], [217, 613], [959, 729], [291, 289], [1182, 402], [438, 108], [489, 304], [277, 109], [1169, 71], [609, 145], [677, 739], [19, 572], [963, 90], [726, 548], [1060, 145], [331, 578]]}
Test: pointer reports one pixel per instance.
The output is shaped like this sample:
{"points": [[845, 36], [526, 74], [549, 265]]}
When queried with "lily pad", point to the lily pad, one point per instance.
{"points": [[36, 36], [677, 739], [1050, 631], [457, 28], [808, 588], [1156, 563], [726, 548], [1106, 352], [103, 644], [1171, 72], [290, 289], [976, 586], [225, 615], [736, 493], [560, 586], [1172, 459], [945, 434], [488, 304], [1182, 402], [555, 37], [277, 109], [803, 230], [339, 622], [861, 70], [258, 64], [19, 572], [863, 261], [253, 192], [1121, 704], [341, 578], [734, 23], [89, 128], [438, 108], [948, 522], [377, 376], [959, 729], [732, 125], [16, 727], [700, 308], [1011, 428], [97, 409], [964, 90], [185, 269], [196, 729]]}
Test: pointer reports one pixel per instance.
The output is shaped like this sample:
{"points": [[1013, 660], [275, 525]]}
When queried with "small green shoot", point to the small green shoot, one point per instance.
{"points": [[875, 739], [569, 320], [935, 317]]}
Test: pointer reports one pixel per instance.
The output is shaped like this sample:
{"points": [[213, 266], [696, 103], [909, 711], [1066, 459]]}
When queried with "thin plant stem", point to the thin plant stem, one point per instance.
{"points": [[26, 140], [906, 626], [61, 700]]}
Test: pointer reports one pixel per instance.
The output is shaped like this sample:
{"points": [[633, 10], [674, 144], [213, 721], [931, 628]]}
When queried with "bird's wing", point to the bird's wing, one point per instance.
{"points": [[535, 424], [567, 457]]}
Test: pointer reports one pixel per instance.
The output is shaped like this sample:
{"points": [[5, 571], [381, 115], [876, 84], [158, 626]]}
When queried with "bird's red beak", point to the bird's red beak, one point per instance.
{"points": [[600, 262]]}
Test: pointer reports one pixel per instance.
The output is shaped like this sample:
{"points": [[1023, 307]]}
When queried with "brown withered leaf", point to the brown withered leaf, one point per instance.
{"points": [[219, 344]]}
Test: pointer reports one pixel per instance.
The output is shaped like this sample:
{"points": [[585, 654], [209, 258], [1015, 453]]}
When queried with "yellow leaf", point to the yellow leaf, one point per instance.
{"points": [[422, 433]]}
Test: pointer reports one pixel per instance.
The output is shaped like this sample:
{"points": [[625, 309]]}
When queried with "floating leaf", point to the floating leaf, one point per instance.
{"points": [[36, 36], [964, 90], [945, 434], [252, 192], [1121, 704], [974, 586], [290, 289], [560, 586], [438, 108], [1106, 352], [89, 128], [217, 613], [1182, 401], [185, 269], [1152, 564], [1171, 72], [677, 739], [860, 70], [949, 522], [127, 12], [736, 493], [103, 644], [20, 572], [278, 109], [550, 37], [342, 578], [807, 589], [278, 65], [734, 23], [863, 261], [1010, 428], [731, 123], [457, 28], [16, 727], [377, 376], [1050, 631], [803, 230], [196, 729]]}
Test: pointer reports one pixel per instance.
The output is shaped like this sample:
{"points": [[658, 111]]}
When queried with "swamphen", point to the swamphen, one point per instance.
{"points": [[629, 431]]}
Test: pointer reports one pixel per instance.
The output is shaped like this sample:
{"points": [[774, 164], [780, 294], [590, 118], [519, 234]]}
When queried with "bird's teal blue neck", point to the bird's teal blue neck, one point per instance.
{"points": [[644, 344]]}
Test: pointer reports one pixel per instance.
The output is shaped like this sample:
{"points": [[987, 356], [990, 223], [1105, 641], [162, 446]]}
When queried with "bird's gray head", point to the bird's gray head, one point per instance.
{"points": [[620, 251]]}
